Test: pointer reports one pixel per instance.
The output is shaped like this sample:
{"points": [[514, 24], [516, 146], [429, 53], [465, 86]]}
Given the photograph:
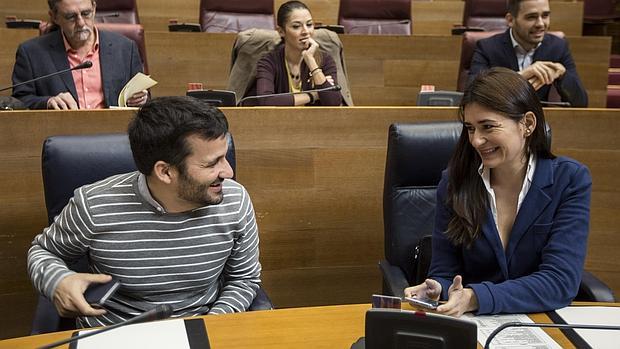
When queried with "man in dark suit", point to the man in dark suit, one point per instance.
{"points": [[115, 61], [544, 60]]}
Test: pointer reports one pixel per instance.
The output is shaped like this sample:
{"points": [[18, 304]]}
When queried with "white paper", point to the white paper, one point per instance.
{"points": [[138, 83], [512, 337], [609, 316], [168, 334]]}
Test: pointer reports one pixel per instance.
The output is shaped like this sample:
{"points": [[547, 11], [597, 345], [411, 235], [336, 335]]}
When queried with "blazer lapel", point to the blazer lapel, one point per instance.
{"points": [[60, 60], [489, 230], [533, 205], [106, 61], [509, 51]]}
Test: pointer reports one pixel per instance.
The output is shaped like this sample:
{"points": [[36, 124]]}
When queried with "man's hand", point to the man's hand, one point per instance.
{"points": [[460, 300], [69, 295], [428, 289], [542, 73], [138, 99], [62, 101]]}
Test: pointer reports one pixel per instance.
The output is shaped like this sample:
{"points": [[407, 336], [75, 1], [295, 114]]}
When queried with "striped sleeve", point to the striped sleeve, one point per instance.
{"points": [[65, 240], [241, 274]]}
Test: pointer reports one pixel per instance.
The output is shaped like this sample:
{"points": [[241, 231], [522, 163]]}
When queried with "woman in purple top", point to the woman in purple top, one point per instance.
{"points": [[296, 64]]}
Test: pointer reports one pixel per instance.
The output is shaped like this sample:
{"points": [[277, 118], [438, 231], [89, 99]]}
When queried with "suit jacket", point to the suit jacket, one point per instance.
{"points": [[119, 59], [541, 267], [497, 51]]}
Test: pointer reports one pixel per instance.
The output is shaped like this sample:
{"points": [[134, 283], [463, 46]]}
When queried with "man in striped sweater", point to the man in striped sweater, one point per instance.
{"points": [[179, 232]]}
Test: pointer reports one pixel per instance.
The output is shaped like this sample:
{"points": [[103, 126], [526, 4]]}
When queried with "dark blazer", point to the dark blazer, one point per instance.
{"points": [[497, 51], [119, 59], [541, 267], [271, 77]]}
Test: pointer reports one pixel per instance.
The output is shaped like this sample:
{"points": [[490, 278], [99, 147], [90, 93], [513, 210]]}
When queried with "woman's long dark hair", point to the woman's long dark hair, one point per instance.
{"points": [[508, 93]]}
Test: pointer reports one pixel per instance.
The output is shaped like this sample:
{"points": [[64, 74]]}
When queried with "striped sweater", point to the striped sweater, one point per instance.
{"points": [[204, 261]]}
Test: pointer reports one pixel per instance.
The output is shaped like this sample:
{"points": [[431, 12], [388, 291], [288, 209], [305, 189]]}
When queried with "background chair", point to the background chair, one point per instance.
{"points": [[117, 11], [233, 16], [416, 156], [486, 14], [69, 162], [381, 17], [439, 98]]}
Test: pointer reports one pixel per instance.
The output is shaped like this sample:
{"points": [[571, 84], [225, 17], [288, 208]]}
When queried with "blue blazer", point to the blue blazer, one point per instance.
{"points": [[541, 267], [497, 51], [119, 59]]}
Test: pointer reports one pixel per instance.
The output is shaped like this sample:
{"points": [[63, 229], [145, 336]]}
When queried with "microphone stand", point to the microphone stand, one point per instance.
{"points": [[85, 64], [324, 89], [160, 312], [487, 344]]}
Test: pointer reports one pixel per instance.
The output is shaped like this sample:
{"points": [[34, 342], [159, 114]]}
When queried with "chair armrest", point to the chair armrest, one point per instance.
{"points": [[394, 280], [261, 301], [594, 290]]}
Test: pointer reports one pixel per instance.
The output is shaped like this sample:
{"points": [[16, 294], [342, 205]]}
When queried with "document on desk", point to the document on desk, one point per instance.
{"points": [[512, 337], [166, 334], [594, 316]]}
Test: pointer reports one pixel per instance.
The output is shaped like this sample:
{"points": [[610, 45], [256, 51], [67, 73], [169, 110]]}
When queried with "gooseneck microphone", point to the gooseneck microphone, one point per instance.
{"points": [[324, 89], [487, 344], [83, 65], [160, 312]]}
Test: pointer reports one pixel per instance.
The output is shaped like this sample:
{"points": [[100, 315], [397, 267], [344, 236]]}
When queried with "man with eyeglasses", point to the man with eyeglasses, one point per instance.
{"points": [[115, 61]]}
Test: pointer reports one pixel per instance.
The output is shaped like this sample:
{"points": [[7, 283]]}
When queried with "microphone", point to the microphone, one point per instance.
{"points": [[324, 89], [83, 65], [560, 326], [377, 25], [160, 312], [555, 104]]}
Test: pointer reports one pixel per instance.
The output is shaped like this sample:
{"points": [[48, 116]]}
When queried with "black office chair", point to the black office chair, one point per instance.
{"points": [[69, 162], [416, 156]]}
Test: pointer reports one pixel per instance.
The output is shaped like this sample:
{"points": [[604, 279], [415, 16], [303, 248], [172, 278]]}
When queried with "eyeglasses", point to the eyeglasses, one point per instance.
{"points": [[73, 17]]}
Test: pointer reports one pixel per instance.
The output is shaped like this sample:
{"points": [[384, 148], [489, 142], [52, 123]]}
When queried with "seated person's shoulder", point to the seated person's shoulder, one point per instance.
{"points": [[570, 169]]}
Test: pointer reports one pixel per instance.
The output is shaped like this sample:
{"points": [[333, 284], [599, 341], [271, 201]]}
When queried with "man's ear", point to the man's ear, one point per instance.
{"points": [[164, 172], [52, 17], [509, 19]]}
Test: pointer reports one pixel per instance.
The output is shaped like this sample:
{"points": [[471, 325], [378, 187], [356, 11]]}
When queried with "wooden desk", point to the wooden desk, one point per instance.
{"points": [[316, 180], [313, 327]]}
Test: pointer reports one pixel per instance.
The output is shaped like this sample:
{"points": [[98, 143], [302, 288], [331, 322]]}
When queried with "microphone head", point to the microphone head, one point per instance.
{"points": [[163, 311], [83, 65], [337, 88]]}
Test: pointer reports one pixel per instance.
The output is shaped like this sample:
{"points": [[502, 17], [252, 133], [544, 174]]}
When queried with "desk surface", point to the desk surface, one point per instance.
{"points": [[312, 327]]}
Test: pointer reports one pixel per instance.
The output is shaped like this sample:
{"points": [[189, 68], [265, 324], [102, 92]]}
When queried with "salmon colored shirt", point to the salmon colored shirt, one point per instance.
{"points": [[88, 83]]}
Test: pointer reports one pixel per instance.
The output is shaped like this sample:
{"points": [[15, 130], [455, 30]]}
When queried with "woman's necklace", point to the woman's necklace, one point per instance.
{"points": [[295, 78]]}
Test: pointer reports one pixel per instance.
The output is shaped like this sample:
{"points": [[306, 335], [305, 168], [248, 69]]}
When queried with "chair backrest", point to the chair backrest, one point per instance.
{"points": [[69, 162], [134, 32], [416, 156], [486, 14], [382, 17], [233, 16], [252, 44], [117, 11]]}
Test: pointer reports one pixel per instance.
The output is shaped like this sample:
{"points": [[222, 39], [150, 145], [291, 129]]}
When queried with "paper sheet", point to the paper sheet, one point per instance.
{"points": [[594, 316], [138, 83], [512, 337], [153, 335]]}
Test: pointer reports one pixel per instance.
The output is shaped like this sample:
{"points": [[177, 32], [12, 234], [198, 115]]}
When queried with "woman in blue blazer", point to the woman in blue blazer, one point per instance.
{"points": [[512, 219]]}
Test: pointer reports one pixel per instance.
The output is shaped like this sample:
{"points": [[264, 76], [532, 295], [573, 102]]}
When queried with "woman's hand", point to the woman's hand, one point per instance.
{"points": [[428, 289], [460, 300], [308, 53]]}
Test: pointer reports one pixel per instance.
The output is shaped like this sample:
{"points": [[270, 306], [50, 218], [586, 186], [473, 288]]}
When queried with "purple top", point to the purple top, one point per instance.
{"points": [[271, 77]]}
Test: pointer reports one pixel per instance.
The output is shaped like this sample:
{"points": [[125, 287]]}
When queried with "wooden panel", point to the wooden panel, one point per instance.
{"points": [[436, 17], [11, 38], [567, 17], [315, 176]]}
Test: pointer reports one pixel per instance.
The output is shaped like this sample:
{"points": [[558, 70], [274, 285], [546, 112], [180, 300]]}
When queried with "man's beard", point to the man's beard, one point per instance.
{"points": [[192, 191]]}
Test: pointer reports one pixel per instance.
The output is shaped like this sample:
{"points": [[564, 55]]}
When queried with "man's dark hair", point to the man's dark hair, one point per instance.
{"points": [[513, 7], [160, 129]]}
